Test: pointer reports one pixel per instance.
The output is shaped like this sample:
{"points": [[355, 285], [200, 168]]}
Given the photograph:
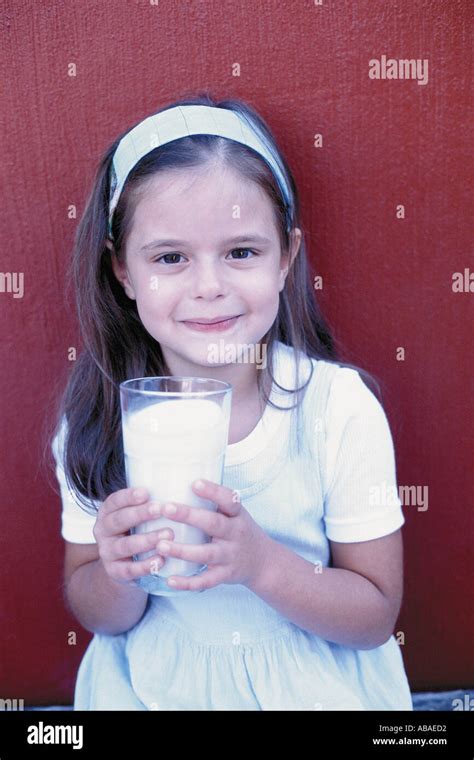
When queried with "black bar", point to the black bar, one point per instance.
{"points": [[371, 733]]}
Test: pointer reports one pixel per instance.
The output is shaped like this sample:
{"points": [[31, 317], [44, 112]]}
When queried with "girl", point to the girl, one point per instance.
{"points": [[194, 217]]}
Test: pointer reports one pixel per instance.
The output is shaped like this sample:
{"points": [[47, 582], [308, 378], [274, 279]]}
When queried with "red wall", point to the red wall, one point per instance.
{"points": [[387, 281]]}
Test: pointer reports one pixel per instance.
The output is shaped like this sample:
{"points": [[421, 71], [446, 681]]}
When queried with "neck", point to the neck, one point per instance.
{"points": [[242, 376]]}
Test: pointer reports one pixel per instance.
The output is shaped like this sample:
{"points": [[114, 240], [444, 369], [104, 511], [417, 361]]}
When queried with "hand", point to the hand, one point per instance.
{"points": [[120, 512], [238, 547]]}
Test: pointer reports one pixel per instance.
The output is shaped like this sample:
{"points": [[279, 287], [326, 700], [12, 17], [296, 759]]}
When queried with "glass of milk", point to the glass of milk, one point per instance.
{"points": [[175, 430]]}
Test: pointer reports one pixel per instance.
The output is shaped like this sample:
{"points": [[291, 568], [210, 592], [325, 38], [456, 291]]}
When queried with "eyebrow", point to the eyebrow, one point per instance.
{"points": [[239, 239]]}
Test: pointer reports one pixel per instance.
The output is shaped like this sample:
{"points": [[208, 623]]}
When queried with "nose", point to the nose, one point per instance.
{"points": [[208, 280]]}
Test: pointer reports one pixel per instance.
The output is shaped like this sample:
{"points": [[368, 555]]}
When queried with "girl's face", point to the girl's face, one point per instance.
{"points": [[204, 245]]}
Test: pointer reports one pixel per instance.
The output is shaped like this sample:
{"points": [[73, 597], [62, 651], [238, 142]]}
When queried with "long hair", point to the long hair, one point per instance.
{"points": [[116, 344]]}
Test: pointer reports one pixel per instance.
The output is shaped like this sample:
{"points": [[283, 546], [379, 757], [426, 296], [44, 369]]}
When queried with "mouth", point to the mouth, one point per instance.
{"points": [[217, 326]]}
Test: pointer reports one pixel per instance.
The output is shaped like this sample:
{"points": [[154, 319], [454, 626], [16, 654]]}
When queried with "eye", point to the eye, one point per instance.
{"points": [[168, 254], [240, 250]]}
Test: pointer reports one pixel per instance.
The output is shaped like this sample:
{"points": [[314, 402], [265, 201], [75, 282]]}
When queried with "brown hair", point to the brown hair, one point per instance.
{"points": [[116, 344]]}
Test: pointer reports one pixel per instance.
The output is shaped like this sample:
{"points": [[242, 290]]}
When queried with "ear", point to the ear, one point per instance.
{"points": [[288, 258], [120, 270]]}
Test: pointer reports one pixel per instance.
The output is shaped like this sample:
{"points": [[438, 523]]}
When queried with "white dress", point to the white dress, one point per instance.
{"points": [[225, 648]]}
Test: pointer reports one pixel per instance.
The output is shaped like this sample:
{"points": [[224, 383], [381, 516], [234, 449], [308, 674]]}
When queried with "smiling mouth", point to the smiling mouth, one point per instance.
{"points": [[207, 321], [209, 326]]}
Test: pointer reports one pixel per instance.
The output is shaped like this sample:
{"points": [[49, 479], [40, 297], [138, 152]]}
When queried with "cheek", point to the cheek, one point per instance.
{"points": [[264, 292], [154, 303], [153, 294]]}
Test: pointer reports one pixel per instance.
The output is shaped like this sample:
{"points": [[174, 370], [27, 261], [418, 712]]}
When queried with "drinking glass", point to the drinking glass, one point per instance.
{"points": [[175, 430]]}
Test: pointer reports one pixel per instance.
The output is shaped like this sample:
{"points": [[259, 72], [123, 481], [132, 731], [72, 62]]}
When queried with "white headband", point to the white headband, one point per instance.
{"points": [[183, 121]]}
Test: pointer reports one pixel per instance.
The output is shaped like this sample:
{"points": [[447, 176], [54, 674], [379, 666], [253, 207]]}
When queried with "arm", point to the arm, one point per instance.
{"points": [[113, 607], [354, 603]]}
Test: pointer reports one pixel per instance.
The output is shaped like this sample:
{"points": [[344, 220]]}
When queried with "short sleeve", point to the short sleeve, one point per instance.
{"points": [[361, 495], [76, 524]]}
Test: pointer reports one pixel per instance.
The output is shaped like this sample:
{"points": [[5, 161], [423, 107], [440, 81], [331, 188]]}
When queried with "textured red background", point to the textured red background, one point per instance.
{"points": [[387, 282]]}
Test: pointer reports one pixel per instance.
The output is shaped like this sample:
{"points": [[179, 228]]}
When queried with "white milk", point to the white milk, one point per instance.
{"points": [[168, 445]]}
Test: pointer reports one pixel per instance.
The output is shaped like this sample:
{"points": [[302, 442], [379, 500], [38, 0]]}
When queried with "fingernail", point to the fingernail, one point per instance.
{"points": [[163, 546], [154, 509], [199, 484], [170, 509], [139, 493]]}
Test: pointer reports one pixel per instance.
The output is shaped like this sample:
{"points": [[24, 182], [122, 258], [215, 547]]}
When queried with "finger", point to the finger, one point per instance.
{"points": [[129, 570], [227, 500], [138, 543], [127, 517], [212, 523], [124, 498], [206, 554], [207, 579]]}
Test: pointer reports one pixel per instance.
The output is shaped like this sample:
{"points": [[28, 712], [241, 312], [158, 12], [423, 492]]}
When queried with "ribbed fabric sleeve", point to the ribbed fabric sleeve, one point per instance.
{"points": [[361, 495], [76, 524]]}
